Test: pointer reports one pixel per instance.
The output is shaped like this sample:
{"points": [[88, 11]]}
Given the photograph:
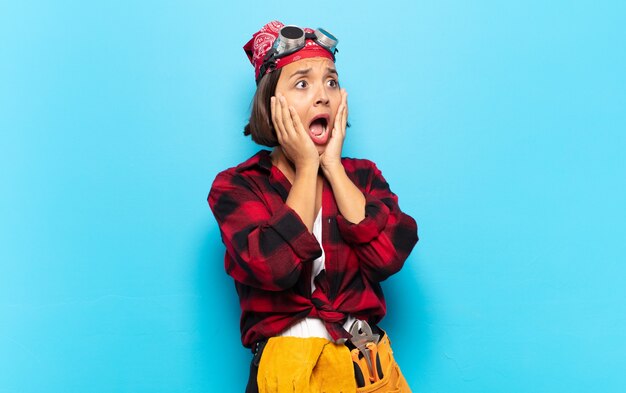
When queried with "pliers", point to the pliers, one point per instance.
{"points": [[365, 342]]}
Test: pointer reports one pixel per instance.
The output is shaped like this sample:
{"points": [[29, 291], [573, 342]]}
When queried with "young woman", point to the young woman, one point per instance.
{"points": [[309, 235]]}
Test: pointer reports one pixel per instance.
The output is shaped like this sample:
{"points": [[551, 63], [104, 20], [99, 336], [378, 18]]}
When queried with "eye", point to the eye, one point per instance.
{"points": [[333, 83], [301, 84]]}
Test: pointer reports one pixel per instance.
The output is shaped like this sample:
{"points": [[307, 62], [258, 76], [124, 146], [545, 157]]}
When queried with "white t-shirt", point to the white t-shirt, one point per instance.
{"points": [[314, 327]]}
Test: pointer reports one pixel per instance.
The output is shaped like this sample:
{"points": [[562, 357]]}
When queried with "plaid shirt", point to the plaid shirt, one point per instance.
{"points": [[269, 250]]}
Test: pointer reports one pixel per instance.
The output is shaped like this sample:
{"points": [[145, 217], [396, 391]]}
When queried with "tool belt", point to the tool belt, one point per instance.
{"points": [[332, 368]]}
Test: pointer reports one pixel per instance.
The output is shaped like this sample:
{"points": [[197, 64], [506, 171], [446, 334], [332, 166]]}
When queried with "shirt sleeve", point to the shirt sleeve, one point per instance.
{"points": [[386, 236], [264, 249]]}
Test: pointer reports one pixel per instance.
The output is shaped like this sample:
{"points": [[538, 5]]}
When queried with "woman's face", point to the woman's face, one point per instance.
{"points": [[311, 86]]}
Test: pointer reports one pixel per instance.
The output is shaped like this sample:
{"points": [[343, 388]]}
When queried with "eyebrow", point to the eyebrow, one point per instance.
{"points": [[307, 70], [301, 72]]}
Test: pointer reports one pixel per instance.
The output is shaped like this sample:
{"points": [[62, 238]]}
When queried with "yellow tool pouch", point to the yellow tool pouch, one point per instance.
{"points": [[393, 381], [308, 365]]}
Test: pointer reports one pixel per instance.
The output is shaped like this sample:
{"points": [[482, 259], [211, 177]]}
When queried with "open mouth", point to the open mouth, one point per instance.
{"points": [[318, 127]]}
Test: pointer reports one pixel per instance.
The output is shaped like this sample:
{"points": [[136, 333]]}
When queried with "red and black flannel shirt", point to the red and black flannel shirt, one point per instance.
{"points": [[269, 250]]}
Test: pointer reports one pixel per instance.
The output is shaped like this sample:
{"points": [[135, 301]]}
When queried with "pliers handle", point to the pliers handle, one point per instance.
{"points": [[360, 368], [376, 372]]}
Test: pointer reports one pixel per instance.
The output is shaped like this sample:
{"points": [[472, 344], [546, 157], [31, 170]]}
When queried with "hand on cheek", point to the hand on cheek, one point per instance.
{"points": [[292, 137], [331, 158]]}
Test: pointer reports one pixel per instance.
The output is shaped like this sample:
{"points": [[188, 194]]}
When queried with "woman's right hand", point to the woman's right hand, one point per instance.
{"points": [[292, 137]]}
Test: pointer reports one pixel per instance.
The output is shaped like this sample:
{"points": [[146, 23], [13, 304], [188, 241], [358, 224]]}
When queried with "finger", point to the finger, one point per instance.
{"points": [[277, 118], [342, 124], [344, 117], [279, 132], [278, 128], [297, 123], [337, 123], [286, 116], [273, 111], [280, 139], [339, 126], [344, 113]]}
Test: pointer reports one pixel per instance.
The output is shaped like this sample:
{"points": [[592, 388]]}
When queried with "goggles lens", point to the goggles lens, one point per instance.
{"points": [[326, 39], [290, 38]]}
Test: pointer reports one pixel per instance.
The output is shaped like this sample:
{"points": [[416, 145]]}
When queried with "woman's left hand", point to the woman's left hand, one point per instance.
{"points": [[331, 158]]}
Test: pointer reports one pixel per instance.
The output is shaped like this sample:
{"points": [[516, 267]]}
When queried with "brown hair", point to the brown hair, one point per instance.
{"points": [[260, 125]]}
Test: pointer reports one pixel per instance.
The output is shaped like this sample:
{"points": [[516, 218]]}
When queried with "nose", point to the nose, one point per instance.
{"points": [[322, 96]]}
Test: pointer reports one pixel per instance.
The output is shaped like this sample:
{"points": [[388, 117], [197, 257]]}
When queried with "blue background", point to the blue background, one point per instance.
{"points": [[500, 125]]}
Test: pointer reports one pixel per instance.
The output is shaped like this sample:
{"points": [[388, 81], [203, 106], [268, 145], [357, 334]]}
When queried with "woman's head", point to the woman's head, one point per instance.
{"points": [[311, 86], [304, 73]]}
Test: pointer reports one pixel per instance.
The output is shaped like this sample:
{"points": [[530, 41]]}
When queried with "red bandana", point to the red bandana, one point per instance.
{"points": [[263, 40]]}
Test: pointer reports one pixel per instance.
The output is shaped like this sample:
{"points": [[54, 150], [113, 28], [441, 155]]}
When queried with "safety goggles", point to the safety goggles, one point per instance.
{"points": [[293, 38]]}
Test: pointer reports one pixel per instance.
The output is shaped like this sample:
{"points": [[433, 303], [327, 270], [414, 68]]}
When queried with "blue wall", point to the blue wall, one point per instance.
{"points": [[500, 126]]}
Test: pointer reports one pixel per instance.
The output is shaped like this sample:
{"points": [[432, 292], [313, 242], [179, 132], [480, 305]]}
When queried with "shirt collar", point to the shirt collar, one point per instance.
{"points": [[261, 159]]}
